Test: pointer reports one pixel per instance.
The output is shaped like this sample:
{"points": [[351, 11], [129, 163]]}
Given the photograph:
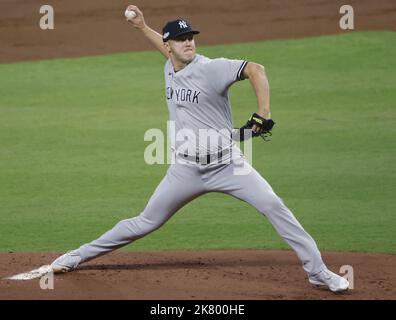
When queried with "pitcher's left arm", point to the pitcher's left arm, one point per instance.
{"points": [[256, 74]]}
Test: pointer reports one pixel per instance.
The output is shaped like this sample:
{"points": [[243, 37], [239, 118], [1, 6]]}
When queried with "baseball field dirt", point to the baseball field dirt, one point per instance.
{"points": [[248, 274], [98, 27]]}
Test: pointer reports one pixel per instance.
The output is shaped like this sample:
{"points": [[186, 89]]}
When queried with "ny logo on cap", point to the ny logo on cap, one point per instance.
{"points": [[183, 24]]}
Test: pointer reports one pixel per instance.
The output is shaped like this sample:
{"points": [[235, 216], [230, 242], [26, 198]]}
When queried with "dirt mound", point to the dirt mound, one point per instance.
{"points": [[249, 274], [93, 27]]}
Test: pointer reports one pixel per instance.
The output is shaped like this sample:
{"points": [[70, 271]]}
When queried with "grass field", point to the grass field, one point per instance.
{"points": [[71, 148]]}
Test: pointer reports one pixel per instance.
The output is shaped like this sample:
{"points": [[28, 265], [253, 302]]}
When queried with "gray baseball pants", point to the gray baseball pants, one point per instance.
{"points": [[185, 181]]}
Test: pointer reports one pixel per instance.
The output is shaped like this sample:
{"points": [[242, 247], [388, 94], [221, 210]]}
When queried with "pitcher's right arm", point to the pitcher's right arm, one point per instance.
{"points": [[154, 37]]}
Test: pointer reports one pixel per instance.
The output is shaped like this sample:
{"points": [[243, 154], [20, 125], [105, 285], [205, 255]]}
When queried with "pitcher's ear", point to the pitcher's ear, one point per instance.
{"points": [[167, 46]]}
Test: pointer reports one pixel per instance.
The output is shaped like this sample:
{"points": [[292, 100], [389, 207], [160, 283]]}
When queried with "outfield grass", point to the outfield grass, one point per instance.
{"points": [[71, 148]]}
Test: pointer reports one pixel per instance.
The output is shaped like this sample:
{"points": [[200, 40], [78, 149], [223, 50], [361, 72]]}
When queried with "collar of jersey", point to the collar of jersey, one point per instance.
{"points": [[186, 67]]}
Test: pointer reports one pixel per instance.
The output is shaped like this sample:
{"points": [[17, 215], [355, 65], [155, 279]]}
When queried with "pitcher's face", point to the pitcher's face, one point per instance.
{"points": [[182, 48]]}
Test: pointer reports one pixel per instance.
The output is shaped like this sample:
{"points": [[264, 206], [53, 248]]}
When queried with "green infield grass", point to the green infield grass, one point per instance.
{"points": [[72, 145]]}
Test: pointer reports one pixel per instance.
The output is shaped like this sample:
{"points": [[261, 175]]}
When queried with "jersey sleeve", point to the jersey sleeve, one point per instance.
{"points": [[224, 72]]}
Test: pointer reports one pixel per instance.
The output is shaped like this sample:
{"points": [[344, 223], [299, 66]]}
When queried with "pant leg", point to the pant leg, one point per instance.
{"points": [[181, 184], [255, 190]]}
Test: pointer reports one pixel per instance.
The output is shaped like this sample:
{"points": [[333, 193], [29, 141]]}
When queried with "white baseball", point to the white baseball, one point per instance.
{"points": [[130, 14]]}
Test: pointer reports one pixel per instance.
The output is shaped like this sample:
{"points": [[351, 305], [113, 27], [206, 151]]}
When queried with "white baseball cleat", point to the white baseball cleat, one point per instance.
{"points": [[333, 281], [66, 263]]}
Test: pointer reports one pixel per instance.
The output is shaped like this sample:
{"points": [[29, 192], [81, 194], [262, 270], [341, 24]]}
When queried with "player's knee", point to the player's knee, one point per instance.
{"points": [[148, 225], [138, 226], [270, 204]]}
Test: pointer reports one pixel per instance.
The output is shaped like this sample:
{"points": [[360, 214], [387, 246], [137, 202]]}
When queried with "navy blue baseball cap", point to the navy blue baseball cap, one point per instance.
{"points": [[176, 28]]}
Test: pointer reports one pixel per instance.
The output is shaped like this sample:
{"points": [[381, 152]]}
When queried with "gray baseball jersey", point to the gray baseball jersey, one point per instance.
{"points": [[198, 103], [198, 99]]}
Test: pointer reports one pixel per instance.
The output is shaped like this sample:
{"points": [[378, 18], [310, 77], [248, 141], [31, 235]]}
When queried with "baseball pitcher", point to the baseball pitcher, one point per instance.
{"points": [[196, 92]]}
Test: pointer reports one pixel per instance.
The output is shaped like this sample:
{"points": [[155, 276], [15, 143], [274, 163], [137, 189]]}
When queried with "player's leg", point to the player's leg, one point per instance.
{"points": [[255, 190], [181, 184]]}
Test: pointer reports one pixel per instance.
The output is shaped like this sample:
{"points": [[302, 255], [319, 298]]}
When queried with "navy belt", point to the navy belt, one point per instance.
{"points": [[208, 158]]}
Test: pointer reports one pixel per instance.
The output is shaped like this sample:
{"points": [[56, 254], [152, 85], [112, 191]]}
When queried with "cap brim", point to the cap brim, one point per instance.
{"points": [[181, 33]]}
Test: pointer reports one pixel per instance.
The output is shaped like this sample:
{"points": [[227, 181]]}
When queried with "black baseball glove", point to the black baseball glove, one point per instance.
{"points": [[263, 128]]}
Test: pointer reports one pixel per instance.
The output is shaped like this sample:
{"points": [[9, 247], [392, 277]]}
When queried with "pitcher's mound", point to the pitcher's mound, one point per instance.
{"points": [[176, 275]]}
